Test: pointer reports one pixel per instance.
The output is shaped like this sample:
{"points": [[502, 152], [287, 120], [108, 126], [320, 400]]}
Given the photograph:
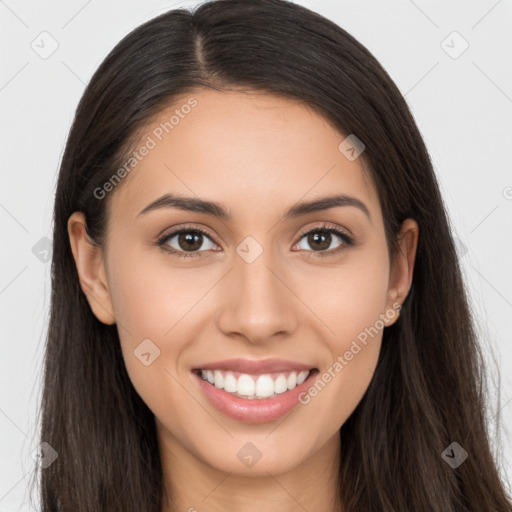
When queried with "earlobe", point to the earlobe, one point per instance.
{"points": [[393, 307], [90, 266], [402, 267]]}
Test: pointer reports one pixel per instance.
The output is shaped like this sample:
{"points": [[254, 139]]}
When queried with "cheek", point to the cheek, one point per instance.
{"points": [[150, 326], [150, 298], [157, 302], [349, 298], [350, 301]]}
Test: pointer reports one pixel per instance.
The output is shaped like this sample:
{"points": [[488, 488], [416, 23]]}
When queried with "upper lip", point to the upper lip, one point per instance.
{"points": [[255, 366]]}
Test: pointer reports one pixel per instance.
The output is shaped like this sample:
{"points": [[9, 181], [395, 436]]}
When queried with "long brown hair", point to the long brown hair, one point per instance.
{"points": [[429, 387]]}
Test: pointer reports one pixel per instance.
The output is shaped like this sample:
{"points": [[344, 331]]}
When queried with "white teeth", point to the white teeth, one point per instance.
{"points": [[219, 379], [245, 385], [301, 377], [230, 384], [291, 381], [250, 387], [264, 386], [280, 385]]}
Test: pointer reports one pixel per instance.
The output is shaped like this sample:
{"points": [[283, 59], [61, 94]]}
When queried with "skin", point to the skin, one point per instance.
{"points": [[257, 155]]}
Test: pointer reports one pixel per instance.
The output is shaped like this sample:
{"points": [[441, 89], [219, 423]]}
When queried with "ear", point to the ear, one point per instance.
{"points": [[90, 266], [402, 267]]}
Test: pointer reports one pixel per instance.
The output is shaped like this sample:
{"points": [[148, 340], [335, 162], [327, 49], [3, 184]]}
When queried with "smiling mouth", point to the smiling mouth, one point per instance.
{"points": [[255, 386]]}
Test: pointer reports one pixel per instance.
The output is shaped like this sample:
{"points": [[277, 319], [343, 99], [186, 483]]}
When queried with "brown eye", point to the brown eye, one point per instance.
{"points": [[319, 240], [183, 241], [324, 241], [190, 241]]}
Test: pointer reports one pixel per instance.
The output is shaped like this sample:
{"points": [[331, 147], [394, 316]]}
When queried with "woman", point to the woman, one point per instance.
{"points": [[256, 297]]}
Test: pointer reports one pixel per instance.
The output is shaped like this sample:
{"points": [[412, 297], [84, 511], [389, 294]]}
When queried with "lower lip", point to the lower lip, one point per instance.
{"points": [[255, 410]]}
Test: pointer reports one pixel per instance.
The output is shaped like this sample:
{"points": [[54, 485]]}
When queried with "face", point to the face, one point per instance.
{"points": [[268, 288]]}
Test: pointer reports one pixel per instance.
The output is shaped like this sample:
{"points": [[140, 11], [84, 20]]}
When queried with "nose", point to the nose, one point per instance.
{"points": [[259, 303]]}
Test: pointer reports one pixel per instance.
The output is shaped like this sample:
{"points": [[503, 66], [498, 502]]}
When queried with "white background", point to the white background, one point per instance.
{"points": [[463, 107]]}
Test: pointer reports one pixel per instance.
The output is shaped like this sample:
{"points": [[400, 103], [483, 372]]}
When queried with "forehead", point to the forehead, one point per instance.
{"points": [[246, 150]]}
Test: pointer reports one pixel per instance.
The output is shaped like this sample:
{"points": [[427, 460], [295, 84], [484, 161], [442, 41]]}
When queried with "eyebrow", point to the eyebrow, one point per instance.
{"points": [[193, 204]]}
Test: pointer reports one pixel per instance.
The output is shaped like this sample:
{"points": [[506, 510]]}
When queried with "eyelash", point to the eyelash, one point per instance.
{"points": [[324, 228]]}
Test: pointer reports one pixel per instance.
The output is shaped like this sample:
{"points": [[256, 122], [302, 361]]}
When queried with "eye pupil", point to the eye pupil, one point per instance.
{"points": [[320, 237], [189, 241]]}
